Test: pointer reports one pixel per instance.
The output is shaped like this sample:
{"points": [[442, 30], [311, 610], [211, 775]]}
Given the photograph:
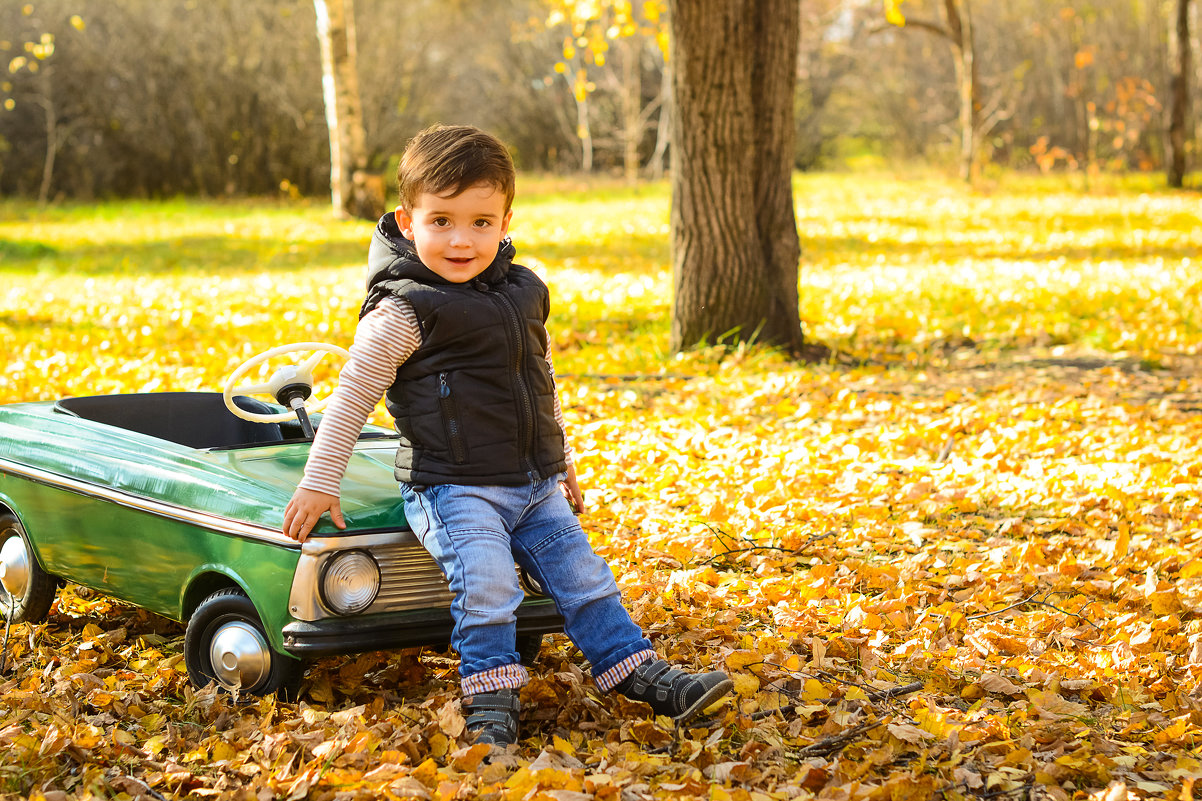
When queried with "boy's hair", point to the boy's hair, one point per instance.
{"points": [[448, 159]]}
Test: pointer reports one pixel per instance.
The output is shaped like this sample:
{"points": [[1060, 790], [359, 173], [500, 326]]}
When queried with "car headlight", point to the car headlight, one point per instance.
{"points": [[349, 582]]}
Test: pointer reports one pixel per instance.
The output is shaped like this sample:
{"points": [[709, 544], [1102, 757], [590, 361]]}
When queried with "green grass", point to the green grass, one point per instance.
{"points": [[174, 237], [894, 270]]}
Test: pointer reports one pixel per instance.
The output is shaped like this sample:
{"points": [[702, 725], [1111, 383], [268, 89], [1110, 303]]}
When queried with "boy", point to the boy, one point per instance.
{"points": [[452, 334]]}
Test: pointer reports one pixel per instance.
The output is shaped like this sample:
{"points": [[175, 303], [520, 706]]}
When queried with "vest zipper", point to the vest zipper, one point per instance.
{"points": [[450, 418]]}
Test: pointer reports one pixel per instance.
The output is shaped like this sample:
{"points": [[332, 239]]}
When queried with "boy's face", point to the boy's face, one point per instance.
{"points": [[457, 237]]}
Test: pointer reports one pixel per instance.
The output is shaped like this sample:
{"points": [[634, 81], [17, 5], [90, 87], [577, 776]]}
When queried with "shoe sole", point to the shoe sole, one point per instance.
{"points": [[717, 691]]}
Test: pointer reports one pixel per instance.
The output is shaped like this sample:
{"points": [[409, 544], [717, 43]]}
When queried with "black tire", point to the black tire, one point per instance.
{"points": [[529, 647], [230, 610], [31, 602]]}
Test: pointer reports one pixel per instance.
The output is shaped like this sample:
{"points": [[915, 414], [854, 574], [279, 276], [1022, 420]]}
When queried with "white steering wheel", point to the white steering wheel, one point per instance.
{"points": [[293, 374]]}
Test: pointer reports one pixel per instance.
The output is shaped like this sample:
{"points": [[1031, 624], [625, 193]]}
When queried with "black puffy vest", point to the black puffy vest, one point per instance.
{"points": [[474, 404]]}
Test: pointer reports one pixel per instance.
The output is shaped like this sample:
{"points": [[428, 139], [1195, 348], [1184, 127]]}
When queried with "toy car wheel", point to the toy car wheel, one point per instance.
{"points": [[225, 643], [26, 591], [529, 647]]}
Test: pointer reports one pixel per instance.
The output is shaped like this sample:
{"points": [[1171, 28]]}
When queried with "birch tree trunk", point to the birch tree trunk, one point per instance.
{"points": [[584, 133], [959, 33], [663, 129], [632, 107], [1179, 92], [959, 22], [52, 136], [344, 110], [735, 248]]}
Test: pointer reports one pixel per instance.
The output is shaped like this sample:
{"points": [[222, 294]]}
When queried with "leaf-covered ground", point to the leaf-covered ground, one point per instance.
{"points": [[961, 560]]}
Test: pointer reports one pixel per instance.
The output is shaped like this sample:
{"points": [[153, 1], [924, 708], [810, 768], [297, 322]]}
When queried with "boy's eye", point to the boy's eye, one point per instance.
{"points": [[440, 221], [483, 223]]}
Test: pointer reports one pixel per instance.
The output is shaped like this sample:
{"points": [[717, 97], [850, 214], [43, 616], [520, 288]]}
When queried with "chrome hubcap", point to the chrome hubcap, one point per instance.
{"points": [[14, 566], [239, 655]]}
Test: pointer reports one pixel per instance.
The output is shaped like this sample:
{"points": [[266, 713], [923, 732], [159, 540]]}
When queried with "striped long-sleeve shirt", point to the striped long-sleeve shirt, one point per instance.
{"points": [[384, 339]]}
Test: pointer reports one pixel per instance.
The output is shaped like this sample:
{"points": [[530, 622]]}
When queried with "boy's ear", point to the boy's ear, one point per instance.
{"points": [[404, 222], [505, 223]]}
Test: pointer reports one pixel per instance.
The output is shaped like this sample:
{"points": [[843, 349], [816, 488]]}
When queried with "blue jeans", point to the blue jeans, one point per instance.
{"points": [[476, 533]]}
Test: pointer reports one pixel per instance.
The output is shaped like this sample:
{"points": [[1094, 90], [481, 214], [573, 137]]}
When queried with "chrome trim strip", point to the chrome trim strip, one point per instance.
{"points": [[325, 544], [221, 525], [304, 600]]}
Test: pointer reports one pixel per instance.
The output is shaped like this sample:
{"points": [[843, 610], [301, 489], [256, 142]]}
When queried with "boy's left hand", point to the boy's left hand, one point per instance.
{"points": [[571, 490], [306, 508]]}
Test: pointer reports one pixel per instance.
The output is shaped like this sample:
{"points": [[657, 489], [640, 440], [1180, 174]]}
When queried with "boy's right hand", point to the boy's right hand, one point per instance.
{"points": [[306, 508]]}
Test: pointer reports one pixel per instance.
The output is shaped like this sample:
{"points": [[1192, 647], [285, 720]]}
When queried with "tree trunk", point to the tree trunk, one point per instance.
{"points": [[52, 143], [960, 24], [632, 106], [735, 248], [344, 110], [663, 129], [959, 34], [584, 131], [1180, 97]]}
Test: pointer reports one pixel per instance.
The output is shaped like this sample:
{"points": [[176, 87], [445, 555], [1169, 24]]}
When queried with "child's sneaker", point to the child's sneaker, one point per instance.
{"points": [[493, 716], [670, 691]]}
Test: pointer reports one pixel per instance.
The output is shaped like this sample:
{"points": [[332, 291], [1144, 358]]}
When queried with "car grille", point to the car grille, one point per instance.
{"points": [[409, 579]]}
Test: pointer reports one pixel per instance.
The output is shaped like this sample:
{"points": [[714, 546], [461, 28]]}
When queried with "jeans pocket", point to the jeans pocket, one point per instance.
{"points": [[417, 511]]}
